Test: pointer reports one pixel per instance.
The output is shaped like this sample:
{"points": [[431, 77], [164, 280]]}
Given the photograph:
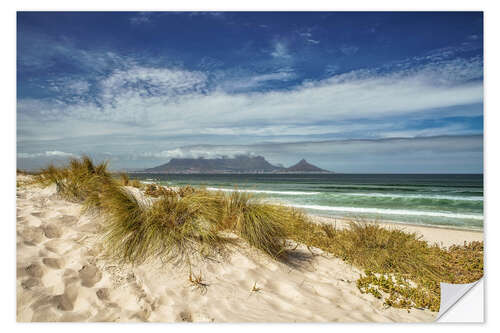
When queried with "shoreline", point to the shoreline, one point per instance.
{"points": [[397, 223], [442, 236]]}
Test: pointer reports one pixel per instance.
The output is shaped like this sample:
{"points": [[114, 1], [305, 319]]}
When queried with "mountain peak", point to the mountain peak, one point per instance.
{"points": [[304, 166]]}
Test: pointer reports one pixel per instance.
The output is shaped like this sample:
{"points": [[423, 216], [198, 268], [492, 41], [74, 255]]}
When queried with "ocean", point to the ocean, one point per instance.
{"points": [[440, 200]]}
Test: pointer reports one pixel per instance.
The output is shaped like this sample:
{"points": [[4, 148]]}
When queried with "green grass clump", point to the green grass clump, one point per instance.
{"points": [[169, 228], [261, 225], [80, 181]]}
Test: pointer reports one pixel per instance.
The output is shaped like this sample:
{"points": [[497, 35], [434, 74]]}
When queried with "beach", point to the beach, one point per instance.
{"points": [[63, 276]]}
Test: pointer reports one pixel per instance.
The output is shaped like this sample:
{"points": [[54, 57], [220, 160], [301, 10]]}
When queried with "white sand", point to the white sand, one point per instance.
{"points": [[61, 276]]}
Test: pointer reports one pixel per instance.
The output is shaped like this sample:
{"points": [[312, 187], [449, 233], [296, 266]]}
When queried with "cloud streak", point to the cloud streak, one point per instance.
{"points": [[177, 101]]}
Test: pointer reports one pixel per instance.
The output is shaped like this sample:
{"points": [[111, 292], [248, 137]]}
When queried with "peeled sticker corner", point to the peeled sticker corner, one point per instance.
{"points": [[451, 294]]}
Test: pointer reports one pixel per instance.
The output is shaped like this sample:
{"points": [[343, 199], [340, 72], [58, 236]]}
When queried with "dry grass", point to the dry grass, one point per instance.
{"points": [[197, 282], [155, 191], [124, 180], [169, 228], [80, 181], [261, 225], [399, 266], [255, 289]]}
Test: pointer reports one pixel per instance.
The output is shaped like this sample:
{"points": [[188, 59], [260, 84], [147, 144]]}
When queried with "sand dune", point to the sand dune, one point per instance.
{"points": [[62, 276]]}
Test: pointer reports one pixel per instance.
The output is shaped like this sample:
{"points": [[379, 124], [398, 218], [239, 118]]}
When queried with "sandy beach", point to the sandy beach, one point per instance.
{"points": [[62, 276]]}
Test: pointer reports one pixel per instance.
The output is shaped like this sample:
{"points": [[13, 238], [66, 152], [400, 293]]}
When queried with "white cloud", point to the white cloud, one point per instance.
{"points": [[52, 153], [247, 83], [147, 81], [196, 152], [280, 50]]}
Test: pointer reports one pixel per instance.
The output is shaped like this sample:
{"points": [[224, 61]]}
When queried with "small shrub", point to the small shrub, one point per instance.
{"points": [[156, 191]]}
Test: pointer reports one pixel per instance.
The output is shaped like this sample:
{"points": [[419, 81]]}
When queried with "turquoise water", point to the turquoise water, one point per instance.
{"points": [[443, 200]]}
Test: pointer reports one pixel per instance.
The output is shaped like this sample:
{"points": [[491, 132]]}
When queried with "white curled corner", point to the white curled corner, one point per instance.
{"points": [[451, 294]]}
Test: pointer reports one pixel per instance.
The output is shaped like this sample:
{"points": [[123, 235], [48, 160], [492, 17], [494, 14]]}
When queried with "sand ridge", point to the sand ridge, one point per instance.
{"points": [[62, 276]]}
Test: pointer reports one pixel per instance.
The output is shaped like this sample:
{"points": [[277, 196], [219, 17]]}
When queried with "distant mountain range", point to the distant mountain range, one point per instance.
{"points": [[238, 164]]}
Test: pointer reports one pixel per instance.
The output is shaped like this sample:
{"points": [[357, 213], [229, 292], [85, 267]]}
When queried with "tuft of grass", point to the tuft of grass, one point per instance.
{"points": [[80, 181], [136, 183], [261, 225], [124, 179], [255, 289], [171, 227], [186, 190], [155, 191], [197, 282]]}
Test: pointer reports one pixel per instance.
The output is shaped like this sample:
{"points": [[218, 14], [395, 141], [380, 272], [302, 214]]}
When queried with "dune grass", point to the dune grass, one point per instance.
{"points": [[80, 181], [260, 224], [177, 224], [398, 266]]}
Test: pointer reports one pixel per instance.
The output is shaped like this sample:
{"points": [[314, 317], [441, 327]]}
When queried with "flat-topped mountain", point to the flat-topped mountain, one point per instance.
{"points": [[238, 164]]}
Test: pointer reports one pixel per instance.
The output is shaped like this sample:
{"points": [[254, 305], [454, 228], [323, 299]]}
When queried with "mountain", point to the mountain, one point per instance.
{"points": [[304, 167], [238, 164]]}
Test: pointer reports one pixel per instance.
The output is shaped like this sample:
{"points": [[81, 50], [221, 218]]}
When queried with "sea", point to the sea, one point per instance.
{"points": [[446, 200]]}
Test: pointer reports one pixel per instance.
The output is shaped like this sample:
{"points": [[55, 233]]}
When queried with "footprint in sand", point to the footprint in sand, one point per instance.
{"points": [[39, 214], [53, 263], [52, 231], [66, 300], [44, 314], [67, 220], [90, 275], [32, 235], [186, 316], [35, 270], [31, 283], [103, 294]]}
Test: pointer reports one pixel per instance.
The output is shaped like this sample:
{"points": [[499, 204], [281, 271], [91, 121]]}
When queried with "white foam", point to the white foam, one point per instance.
{"points": [[413, 196], [262, 191], [390, 211]]}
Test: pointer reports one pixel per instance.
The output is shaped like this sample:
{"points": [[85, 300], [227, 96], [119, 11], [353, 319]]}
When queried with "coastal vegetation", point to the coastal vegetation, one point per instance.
{"points": [[144, 222]]}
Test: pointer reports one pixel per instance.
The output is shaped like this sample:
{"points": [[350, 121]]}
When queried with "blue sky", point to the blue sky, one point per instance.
{"points": [[351, 92]]}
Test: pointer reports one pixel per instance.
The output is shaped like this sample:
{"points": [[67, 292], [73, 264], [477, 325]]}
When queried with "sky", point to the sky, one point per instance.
{"points": [[360, 92]]}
